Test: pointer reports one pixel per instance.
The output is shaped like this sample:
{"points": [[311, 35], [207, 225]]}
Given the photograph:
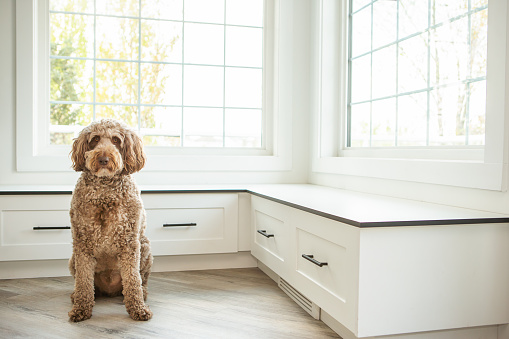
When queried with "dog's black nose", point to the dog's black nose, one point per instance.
{"points": [[104, 161]]}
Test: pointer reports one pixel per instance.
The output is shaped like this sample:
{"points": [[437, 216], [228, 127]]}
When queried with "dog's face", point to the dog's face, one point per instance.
{"points": [[107, 148]]}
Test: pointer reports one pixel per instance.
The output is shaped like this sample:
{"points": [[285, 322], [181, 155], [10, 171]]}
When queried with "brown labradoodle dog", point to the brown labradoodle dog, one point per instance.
{"points": [[110, 249]]}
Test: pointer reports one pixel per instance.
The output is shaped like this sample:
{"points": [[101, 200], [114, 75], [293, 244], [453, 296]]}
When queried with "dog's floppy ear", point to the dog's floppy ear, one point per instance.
{"points": [[79, 147], [132, 153]]}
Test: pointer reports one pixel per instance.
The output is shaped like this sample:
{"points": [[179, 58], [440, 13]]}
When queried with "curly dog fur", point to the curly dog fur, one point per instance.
{"points": [[111, 254]]}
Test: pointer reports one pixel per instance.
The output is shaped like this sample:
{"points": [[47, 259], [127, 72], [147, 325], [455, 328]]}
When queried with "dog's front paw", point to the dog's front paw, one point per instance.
{"points": [[79, 314], [142, 313]]}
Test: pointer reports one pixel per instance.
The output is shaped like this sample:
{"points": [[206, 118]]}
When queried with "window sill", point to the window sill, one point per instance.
{"points": [[468, 174], [159, 163]]}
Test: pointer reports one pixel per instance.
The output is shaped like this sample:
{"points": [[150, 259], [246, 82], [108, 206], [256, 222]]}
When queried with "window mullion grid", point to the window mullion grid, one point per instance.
{"points": [[397, 76], [428, 97], [224, 75], [469, 70], [95, 63], [371, 84], [349, 90], [139, 67], [182, 65]]}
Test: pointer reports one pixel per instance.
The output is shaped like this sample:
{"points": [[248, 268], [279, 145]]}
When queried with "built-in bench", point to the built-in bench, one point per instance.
{"points": [[371, 265]]}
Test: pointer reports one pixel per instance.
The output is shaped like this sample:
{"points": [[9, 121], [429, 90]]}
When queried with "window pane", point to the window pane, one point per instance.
{"points": [[479, 44], [72, 35], [412, 120], [161, 141], [118, 7], [443, 10], [203, 127], [242, 128], [210, 11], [166, 120], [72, 80], [413, 64], [384, 72], [76, 6], [117, 38], [244, 12], [71, 114], [161, 126], [431, 73], [203, 86], [384, 23], [162, 9], [447, 116], [449, 52], [161, 41], [126, 114], [361, 32], [477, 113], [244, 46], [383, 119], [479, 3], [358, 4], [243, 87], [360, 125], [361, 79], [204, 44], [166, 67], [413, 17], [116, 82], [161, 84]]}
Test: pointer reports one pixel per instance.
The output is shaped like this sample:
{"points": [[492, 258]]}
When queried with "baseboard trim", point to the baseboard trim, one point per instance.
{"points": [[59, 268]]}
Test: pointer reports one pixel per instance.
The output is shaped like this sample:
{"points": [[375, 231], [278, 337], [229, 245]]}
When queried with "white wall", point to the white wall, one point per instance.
{"points": [[300, 107]]}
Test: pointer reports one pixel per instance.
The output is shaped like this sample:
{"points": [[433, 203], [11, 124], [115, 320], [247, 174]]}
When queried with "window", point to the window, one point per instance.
{"points": [[185, 73], [399, 98], [237, 117], [417, 73]]}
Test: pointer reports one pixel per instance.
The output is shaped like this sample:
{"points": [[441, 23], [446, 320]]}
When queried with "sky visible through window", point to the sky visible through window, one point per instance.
{"points": [[184, 73]]}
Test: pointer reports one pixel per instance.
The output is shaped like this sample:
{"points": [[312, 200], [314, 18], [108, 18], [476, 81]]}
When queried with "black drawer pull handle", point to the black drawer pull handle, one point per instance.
{"points": [[264, 233], [314, 261], [180, 225], [40, 228]]}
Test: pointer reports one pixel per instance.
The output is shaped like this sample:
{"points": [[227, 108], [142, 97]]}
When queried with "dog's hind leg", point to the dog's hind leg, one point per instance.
{"points": [[72, 270]]}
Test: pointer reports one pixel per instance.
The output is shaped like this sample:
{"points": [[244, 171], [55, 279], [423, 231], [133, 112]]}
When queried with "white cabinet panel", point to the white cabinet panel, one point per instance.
{"points": [[323, 263], [385, 281], [333, 287], [271, 238], [35, 227], [214, 218], [192, 223]]}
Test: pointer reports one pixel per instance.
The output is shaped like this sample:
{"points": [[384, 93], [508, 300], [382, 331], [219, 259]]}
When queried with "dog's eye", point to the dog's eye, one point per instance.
{"points": [[96, 138], [116, 140]]}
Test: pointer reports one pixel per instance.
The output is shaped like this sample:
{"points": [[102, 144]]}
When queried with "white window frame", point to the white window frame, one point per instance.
{"points": [[33, 152], [464, 167]]}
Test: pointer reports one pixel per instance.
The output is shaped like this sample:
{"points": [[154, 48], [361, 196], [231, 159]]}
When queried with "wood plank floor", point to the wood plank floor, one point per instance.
{"points": [[233, 303]]}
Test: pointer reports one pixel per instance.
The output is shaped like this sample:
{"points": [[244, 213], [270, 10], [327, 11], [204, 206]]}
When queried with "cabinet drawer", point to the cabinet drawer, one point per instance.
{"points": [[270, 233], [334, 245], [35, 227], [191, 223], [322, 262]]}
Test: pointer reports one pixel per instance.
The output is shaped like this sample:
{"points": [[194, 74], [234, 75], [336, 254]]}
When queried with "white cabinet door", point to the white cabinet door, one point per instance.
{"points": [[327, 265], [192, 223], [35, 227], [271, 234]]}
